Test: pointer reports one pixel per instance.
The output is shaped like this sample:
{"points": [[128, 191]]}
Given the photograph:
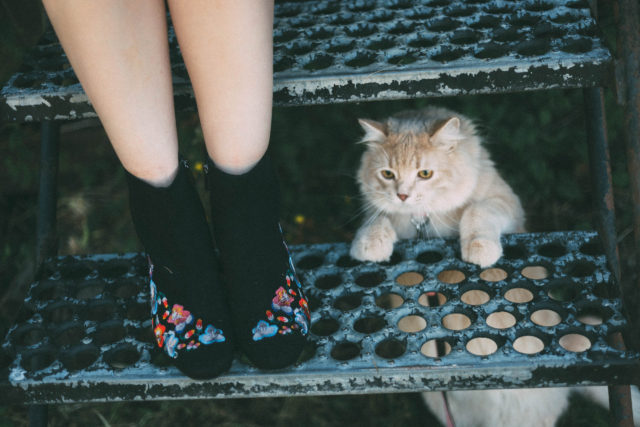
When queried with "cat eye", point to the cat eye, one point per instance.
{"points": [[387, 174], [425, 174]]}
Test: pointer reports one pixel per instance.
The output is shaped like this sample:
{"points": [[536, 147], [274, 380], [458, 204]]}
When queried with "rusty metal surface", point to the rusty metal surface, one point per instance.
{"points": [[85, 332], [341, 51]]}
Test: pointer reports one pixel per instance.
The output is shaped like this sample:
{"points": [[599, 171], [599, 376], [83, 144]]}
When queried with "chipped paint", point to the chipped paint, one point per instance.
{"points": [[333, 57]]}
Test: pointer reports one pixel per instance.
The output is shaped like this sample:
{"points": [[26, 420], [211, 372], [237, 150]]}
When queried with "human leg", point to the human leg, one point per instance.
{"points": [[119, 50], [227, 49], [228, 52]]}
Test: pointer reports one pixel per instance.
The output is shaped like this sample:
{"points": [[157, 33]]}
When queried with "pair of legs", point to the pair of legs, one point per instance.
{"points": [[119, 50]]}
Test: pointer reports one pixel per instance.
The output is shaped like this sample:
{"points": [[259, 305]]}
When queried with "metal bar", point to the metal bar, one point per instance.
{"points": [[627, 16], [38, 415], [47, 192], [602, 185]]}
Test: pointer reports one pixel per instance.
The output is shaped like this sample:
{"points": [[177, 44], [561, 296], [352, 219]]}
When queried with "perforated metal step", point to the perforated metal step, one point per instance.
{"points": [[424, 321], [338, 51]]}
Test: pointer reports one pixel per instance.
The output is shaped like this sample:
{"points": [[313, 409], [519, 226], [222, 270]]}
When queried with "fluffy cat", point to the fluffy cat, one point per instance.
{"points": [[425, 173]]}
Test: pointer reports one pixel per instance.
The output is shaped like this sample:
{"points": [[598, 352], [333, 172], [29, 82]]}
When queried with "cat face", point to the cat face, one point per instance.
{"points": [[419, 164]]}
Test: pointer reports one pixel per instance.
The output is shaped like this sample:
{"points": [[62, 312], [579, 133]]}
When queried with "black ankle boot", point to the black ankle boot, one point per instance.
{"points": [[188, 306], [268, 308]]}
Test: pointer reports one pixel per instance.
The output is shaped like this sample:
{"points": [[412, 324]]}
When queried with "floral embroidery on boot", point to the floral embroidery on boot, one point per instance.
{"points": [[174, 328], [289, 310]]}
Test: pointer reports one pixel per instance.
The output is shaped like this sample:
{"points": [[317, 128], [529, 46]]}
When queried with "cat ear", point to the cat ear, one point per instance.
{"points": [[374, 131], [448, 134]]}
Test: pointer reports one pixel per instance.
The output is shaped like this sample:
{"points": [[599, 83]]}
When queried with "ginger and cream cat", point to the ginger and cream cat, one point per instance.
{"points": [[426, 174]]}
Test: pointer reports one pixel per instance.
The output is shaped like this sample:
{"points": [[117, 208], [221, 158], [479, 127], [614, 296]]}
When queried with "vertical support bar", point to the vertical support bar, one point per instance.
{"points": [[46, 240], [627, 16], [38, 415], [47, 192], [600, 166]]}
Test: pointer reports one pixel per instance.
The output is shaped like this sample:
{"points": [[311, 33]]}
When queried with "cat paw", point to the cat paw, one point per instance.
{"points": [[376, 247], [483, 252]]}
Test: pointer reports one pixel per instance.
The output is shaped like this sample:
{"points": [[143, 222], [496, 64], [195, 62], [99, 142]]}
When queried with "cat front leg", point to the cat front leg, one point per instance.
{"points": [[481, 225], [374, 241]]}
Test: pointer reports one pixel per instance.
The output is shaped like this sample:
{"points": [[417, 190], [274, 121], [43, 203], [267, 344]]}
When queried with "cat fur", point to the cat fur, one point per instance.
{"points": [[465, 195]]}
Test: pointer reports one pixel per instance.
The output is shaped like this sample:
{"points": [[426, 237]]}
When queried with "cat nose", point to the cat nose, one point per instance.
{"points": [[402, 197]]}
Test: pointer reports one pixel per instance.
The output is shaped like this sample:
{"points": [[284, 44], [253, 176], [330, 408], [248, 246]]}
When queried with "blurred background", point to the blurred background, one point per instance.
{"points": [[537, 140]]}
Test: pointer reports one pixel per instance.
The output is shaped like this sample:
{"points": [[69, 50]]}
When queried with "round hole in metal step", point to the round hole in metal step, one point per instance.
{"points": [[109, 332], [127, 288], [481, 346], [115, 268], [552, 250], [486, 21], [514, 252], [412, 323], [381, 43], [442, 25], [494, 275], [592, 315], [345, 350], [389, 301], [369, 324], [528, 344], [491, 51], [348, 302], [69, 334], [311, 261], [37, 359], [592, 248], [456, 321], [80, 357], [90, 289], [435, 348], [391, 348], [580, 268], [341, 46], [545, 317], [328, 281], [325, 326], [27, 335], [409, 278], [518, 295], [345, 261], [451, 276], [501, 320], [475, 297], [370, 279], [563, 290], [122, 356], [535, 272], [575, 343], [432, 299]]}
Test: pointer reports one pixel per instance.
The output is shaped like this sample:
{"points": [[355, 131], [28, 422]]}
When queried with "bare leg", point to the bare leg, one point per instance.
{"points": [[120, 52], [227, 48]]}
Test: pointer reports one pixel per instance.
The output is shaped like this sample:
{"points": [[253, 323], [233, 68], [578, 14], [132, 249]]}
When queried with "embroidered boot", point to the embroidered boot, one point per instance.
{"points": [[189, 312], [268, 309]]}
